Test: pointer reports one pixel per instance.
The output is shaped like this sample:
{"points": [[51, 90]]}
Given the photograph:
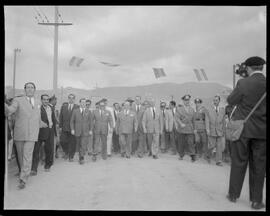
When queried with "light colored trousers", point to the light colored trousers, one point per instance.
{"points": [[25, 152], [219, 144], [153, 142], [125, 141], [109, 143]]}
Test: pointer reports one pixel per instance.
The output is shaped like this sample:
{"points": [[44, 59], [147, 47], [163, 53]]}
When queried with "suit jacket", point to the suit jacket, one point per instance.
{"points": [[56, 119], [215, 122], [169, 120], [64, 117], [163, 119], [246, 94], [139, 116], [27, 119], [44, 132], [81, 123], [126, 124], [199, 119], [186, 117], [101, 122], [151, 125]]}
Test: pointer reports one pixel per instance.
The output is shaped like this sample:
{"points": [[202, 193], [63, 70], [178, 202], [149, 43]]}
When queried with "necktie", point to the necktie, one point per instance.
{"points": [[216, 110], [30, 101], [115, 116], [154, 114], [163, 113]]}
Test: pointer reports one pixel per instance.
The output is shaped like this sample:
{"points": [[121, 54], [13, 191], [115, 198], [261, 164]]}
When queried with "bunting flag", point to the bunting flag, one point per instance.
{"points": [[75, 61], [159, 72], [204, 74], [197, 73], [109, 64]]}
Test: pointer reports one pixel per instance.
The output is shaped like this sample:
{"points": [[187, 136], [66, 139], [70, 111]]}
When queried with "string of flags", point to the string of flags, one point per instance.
{"points": [[159, 72], [75, 61], [200, 74], [109, 64]]}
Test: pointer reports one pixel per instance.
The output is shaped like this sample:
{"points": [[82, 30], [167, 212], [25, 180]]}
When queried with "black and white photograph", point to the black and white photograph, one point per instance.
{"points": [[135, 108]]}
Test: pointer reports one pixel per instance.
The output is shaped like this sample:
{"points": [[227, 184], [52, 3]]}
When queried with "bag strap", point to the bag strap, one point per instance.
{"points": [[232, 112], [255, 107]]}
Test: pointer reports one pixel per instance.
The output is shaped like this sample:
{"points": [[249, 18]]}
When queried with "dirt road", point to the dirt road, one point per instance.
{"points": [[128, 184]]}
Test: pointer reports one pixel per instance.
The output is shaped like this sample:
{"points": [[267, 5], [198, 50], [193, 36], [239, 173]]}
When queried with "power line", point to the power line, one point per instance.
{"points": [[39, 15], [59, 15], [44, 15]]}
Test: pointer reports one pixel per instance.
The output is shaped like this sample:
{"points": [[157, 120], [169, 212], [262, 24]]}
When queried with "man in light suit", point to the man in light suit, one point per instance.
{"points": [[251, 147], [67, 140], [81, 127], [126, 125], [102, 121], [163, 113], [45, 135], [184, 118], [215, 129], [139, 137], [152, 126], [110, 131], [27, 124], [115, 138]]}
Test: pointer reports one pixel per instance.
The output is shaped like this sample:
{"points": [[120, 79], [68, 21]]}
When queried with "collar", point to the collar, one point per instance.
{"points": [[256, 72]]}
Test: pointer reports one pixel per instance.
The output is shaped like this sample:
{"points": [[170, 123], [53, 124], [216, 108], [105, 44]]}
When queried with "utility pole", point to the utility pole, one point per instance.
{"points": [[14, 70], [55, 60]]}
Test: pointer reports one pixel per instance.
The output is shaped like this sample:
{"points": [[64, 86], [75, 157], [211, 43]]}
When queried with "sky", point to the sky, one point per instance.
{"points": [[139, 38]]}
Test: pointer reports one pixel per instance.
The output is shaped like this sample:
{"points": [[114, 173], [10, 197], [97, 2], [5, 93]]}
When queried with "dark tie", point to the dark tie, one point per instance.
{"points": [[31, 103], [115, 116], [163, 113], [154, 114]]}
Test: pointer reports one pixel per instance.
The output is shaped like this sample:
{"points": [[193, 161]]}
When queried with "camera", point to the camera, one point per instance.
{"points": [[241, 70]]}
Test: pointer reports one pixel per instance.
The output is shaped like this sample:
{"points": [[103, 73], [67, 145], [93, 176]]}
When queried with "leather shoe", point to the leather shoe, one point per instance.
{"points": [[180, 158], [127, 156], [94, 158], [155, 157], [219, 163], [231, 198], [33, 173], [21, 185], [122, 154], [70, 159], [81, 161], [257, 205]]}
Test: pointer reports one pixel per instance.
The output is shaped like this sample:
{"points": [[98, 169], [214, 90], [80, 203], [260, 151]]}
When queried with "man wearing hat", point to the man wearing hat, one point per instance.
{"points": [[126, 125], [251, 147], [163, 114], [103, 122], [200, 129], [184, 118], [152, 126]]}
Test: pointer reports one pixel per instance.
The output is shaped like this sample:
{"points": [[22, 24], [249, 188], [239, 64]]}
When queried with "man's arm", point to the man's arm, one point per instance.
{"points": [[12, 108], [144, 121], [236, 96], [61, 117]]}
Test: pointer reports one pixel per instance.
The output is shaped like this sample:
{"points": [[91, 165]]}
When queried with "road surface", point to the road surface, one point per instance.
{"points": [[128, 184]]}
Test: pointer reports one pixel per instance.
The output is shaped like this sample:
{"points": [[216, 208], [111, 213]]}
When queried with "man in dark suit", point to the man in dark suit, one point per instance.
{"points": [[115, 137], [45, 135], [67, 140], [251, 147], [81, 127]]}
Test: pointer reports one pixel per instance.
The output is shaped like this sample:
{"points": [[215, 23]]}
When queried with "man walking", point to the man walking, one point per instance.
{"points": [[215, 128], [27, 124], [67, 140], [251, 147], [126, 125], [81, 128], [163, 114], [152, 126], [115, 136], [184, 118], [102, 120], [171, 135], [45, 135]]}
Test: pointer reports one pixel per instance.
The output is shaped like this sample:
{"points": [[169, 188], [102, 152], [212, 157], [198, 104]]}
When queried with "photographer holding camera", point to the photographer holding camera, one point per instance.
{"points": [[251, 146]]}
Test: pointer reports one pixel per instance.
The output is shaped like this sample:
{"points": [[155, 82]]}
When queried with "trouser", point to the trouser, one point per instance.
{"points": [[90, 144], [35, 156], [141, 142], [82, 142], [244, 151], [25, 152], [17, 158], [109, 143], [153, 142], [219, 144], [68, 143], [201, 141], [227, 150], [135, 142], [170, 140], [162, 141], [49, 149], [116, 144], [186, 144], [103, 138], [126, 142]]}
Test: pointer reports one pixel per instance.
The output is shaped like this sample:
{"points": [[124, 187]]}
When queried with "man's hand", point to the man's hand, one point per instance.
{"points": [[90, 132], [43, 124], [110, 130], [183, 125], [72, 132], [207, 132], [195, 131]]}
